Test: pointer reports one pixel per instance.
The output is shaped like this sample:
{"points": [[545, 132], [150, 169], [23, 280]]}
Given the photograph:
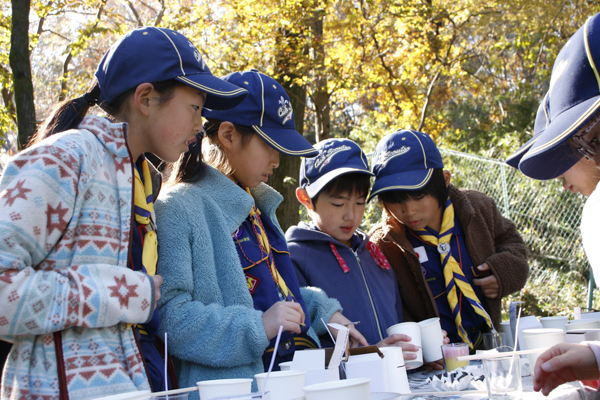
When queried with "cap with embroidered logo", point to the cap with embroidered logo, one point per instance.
{"points": [[404, 160], [153, 55], [572, 101], [268, 111], [336, 157]]}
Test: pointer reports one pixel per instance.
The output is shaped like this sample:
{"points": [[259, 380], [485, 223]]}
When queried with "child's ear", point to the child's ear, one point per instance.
{"points": [[226, 134], [447, 177], [141, 97], [304, 198]]}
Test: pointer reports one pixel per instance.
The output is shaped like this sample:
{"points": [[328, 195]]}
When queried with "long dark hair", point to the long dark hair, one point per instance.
{"points": [[68, 114], [190, 167]]}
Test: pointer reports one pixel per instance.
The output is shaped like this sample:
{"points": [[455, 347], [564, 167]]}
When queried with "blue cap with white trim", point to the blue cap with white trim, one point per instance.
{"points": [[268, 111], [404, 160], [153, 55], [572, 101], [336, 157]]}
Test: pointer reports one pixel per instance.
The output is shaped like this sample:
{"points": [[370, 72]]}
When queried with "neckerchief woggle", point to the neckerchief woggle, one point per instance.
{"points": [[453, 275]]}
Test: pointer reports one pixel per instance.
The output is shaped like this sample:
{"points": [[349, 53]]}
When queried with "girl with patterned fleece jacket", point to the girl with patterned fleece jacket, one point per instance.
{"points": [[229, 281], [74, 276]]}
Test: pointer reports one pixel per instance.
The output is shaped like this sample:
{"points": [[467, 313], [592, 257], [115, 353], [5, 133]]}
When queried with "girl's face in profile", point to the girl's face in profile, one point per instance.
{"points": [[252, 162], [582, 177]]}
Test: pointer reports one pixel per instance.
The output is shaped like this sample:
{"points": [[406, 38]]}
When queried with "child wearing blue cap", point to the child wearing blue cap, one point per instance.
{"points": [[229, 281], [455, 256], [333, 187], [77, 240], [565, 146]]}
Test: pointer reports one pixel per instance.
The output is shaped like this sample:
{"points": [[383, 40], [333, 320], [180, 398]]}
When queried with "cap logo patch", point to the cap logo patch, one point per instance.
{"points": [[388, 155], [285, 110], [325, 158]]}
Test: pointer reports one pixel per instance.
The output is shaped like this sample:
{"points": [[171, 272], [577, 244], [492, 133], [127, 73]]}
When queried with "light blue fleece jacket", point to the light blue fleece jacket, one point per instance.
{"points": [[214, 332]]}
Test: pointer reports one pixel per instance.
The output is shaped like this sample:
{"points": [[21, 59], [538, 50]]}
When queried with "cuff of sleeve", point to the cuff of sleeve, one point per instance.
{"points": [[152, 297]]}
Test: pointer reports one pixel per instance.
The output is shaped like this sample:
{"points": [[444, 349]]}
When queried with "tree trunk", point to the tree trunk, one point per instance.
{"points": [[288, 213], [320, 95], [21, 69]]}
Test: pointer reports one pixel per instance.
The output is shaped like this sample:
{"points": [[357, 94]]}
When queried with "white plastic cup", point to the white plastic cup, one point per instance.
{"points": [[541, 339], [582, 324], [554, 322], [346, 389], [224, 387], [283, 385], [451, 352], [591, 315], [432, 339], [413, 330], [396, 369], [285, 366]]}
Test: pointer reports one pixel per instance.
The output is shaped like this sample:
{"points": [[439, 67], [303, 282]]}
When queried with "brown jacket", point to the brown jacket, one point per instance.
{"points": [[489, 238]]}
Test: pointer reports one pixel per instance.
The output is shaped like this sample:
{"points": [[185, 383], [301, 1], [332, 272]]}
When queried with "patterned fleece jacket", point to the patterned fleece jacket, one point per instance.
{"points": [[214, 332], [67, 294]]}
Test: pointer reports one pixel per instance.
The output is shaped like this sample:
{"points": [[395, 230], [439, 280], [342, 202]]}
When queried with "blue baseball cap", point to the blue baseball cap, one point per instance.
{"points": [[152, 55], [404, 160], [268, 111], [572, 101], [336, 157]]}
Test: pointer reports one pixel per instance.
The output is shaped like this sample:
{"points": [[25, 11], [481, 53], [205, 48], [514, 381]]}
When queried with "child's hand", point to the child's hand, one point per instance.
{"points": [[445, 336], [400, 340], [355, 337], [565, 362], [286, 313], [157, 280], [489, 284]]}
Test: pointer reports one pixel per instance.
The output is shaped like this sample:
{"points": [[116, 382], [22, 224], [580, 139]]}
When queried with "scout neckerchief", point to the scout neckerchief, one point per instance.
{"points": [[453, 275], [143, 207], [265, 247]]}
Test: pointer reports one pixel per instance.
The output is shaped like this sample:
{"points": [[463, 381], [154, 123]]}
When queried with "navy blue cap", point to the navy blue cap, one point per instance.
{"points": [[268, 111], [404, 160], [336, 157], [572, 100], [153, 55]]}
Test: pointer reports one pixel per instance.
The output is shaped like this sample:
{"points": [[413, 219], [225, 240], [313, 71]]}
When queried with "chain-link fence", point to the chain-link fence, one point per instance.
{"points": [[547, 216]]}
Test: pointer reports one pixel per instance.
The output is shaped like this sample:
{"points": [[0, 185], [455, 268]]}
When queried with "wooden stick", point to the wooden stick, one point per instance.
{"points": [[497, 355], [465, 392]]}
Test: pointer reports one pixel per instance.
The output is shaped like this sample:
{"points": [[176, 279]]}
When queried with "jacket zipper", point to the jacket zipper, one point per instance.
{"points": [[369, 293]]}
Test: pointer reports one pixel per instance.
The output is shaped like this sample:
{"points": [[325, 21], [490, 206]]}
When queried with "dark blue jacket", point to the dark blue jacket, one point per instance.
{"points": [[367, 292]]}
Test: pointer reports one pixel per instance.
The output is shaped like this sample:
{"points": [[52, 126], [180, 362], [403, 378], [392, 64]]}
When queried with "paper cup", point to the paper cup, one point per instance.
{"points": [[541, 339], [396, 370], [554, 322], [591, 315], [505, 327], [283, 385], [347, 389], [285, 366], [582, 324], [575, 336], [432, 339], [413, 330], [224, 387]]}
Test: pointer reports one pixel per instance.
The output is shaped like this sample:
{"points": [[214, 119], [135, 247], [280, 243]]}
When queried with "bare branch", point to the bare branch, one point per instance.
{"points": [[135, 14]]}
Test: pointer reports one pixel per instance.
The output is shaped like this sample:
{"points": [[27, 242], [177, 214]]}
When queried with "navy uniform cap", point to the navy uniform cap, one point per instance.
{"points": [[268, 111], [572, 101], [336, 157], [153, 55], [404, 160]]}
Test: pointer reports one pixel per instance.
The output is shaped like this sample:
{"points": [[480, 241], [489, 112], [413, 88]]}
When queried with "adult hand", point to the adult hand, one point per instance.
{"points": [[286, 313], [400, 340], [489, 284], [565, 362], [355, 337], [157, 280]]}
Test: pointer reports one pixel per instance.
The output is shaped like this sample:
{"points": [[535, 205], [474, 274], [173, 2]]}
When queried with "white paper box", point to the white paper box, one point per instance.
{"points": [[368, 362]]}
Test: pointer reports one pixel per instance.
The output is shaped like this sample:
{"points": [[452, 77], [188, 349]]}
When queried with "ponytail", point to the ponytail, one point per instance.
{"points": [[67, 114]]}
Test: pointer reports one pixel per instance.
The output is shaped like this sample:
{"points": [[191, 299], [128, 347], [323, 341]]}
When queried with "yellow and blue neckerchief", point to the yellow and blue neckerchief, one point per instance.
{"points": [[456, 282]]}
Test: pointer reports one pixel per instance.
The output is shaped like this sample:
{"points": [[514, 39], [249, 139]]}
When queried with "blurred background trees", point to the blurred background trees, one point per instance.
{"points": [[470, 73]]}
